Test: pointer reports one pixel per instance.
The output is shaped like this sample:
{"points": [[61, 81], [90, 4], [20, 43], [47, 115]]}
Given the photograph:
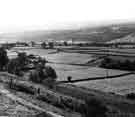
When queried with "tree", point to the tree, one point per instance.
{"points": [[43, 74], [65, 43], [22, 59], [32, 43], [95, 108], [15, 66], [127, 65], [80, 44], [51, 72], [3, 58], [43, 45], [51, 45], [105, 63]]}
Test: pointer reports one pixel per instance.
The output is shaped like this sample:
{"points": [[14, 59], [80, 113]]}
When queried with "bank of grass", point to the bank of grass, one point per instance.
{"points": [[75, 99], [54, 98]]}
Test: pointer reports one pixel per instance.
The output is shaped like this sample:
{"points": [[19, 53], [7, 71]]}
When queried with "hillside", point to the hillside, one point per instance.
{"points": [[127, 39], [95, 34], [61, 101]]}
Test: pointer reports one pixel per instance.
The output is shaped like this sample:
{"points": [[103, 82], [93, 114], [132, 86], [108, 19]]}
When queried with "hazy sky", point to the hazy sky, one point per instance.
{"points": [[16, 15]]}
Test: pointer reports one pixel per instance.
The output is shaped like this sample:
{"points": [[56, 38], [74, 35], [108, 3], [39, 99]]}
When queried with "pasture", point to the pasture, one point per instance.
{"points": [[62, 63]]}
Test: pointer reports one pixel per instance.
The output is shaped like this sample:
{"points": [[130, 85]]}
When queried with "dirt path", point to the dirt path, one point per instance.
{"points": [[26, 103]]}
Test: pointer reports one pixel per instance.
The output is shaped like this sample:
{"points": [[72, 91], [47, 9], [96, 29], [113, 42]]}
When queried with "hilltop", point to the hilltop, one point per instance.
{"points": [[92, 34], [127, 39]]}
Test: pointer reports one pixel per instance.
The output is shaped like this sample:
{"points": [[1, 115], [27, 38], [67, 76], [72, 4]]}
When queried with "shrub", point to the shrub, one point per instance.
{"points": [[17, 65], [44, 74], [3, 58], [116, 64], [13, 67], [95, 108], [43, 45], [51, 45], [22, 59], [130, 96]]}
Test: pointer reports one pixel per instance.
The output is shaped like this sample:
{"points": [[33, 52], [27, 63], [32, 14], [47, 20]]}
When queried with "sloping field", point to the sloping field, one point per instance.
{"points": [[61, 57], [28, 99], [122, 85], [9, 107], [80, 72], [116, 103]]}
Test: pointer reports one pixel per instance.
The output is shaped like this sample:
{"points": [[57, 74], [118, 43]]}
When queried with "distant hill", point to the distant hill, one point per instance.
{"points": [[127, 39], [95, 34]]}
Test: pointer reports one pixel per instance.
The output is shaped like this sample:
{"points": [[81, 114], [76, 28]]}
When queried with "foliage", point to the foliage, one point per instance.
{"points": [[43, 73], [3, 58], [33, 43], [51, 45], [95, 108], [116, 64], [31, 56], [15, 66], [65, 43], [22, 59], [51, 72], [130, 96], [43, 45]]}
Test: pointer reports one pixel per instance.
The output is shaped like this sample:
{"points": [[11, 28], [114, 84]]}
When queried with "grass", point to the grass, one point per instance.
{"points": [[120, 85]]}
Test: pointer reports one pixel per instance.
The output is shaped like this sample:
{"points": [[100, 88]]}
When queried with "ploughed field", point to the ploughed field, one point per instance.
{"points": [[74, 63]]}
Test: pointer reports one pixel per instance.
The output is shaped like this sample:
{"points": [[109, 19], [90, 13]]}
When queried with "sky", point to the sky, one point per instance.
{"points": [[18, 15]]}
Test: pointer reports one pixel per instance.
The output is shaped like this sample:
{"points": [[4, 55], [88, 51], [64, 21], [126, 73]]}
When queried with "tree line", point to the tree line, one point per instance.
{"points": [[117, 64]]}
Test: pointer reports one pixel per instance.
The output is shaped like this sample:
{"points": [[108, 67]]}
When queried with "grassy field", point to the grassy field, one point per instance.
{"points": [[120, 85]]}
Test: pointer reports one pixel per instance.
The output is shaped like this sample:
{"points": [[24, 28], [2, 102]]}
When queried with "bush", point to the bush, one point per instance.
{"points": [[130, 96], [16, 65], [22, 59], [43, 45], [116, 64], [3, 58], [13, 67], [43, 74], [95, 108], [51, 45]]}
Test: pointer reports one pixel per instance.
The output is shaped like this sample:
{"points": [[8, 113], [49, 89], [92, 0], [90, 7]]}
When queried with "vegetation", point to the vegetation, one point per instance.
{"points": [[16, 65], [130, 96], [65, 43], [43, 73], [43, 45], [51, 45], [33, 43], [3, 58], [116, 64], [13, 67], [22, 59], [95, 108]]}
